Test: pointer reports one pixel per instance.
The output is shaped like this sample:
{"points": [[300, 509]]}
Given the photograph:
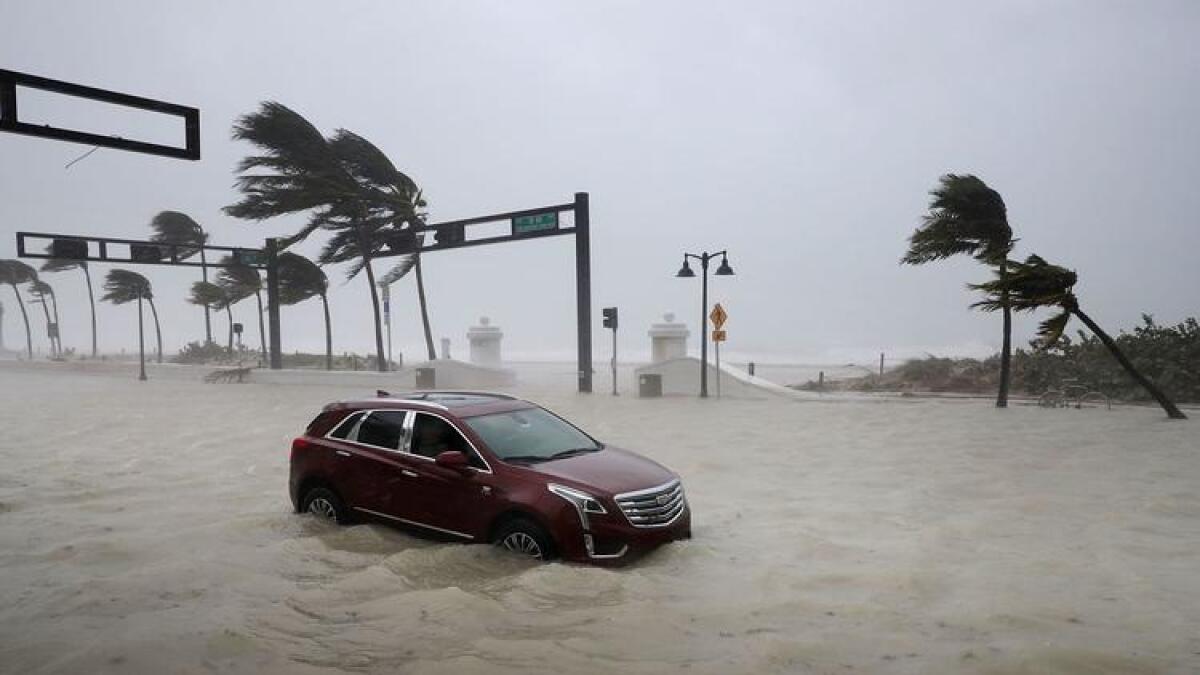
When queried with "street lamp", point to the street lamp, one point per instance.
{"points": [[723, 270]]}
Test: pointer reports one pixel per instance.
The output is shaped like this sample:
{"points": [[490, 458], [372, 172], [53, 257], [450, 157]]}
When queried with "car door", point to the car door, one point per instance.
{"points": [[373, 466], [451, 501]]}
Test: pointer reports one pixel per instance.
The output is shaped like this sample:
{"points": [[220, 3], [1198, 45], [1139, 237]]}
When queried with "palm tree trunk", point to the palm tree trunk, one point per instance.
{"points": [[92, 300], [424, 310], [379, 356], [207, 317], [46, 310], [157, 328], [1172, 411], [262, 331], [1006, 345], [57, 323], [25, 316], [229, 314], [328, 335]]}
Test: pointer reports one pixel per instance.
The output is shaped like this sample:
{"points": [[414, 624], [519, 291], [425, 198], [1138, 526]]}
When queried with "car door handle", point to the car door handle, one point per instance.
{"points": [[406, 472], [343, 453]]}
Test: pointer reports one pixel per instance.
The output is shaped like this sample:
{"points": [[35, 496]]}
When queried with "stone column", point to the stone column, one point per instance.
{"points": [[668, 340], [485, 343], [446, 348]]}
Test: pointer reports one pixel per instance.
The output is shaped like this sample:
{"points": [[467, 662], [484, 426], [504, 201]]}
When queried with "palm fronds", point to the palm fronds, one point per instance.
{"points": [[122, 286]]}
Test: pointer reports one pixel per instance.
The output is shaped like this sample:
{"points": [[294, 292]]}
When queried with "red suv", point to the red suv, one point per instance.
{"points": [[485, 468]]}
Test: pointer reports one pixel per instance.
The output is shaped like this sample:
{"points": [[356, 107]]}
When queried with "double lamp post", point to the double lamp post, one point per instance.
{"points": [[723, 270]]}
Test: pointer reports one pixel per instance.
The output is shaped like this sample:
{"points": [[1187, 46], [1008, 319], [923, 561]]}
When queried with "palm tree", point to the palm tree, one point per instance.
{"points": [[63, 264], [967, 217], [43, 295], [180, 231], [1036, 283], [240, 281], [351, 189], [122, 286], [212, 295], [299, 280], [14, 272]]}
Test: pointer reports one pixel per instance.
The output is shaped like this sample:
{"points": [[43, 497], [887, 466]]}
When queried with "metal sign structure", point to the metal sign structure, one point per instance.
{"points": [[12, 82], [526, 224], [140, 252], [447, 235]]}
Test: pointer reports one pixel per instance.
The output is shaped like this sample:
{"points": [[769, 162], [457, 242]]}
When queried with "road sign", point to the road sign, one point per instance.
{"points": [[718, 316], [535, 223], [718, 336]]}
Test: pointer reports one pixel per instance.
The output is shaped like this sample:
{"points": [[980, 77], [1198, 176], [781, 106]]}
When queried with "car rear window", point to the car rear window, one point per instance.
{"points": [[343, 430], [383, 429]]}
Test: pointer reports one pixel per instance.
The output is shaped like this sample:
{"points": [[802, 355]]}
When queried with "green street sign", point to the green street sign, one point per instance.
{"points": [[535, 223], [250, 257]]}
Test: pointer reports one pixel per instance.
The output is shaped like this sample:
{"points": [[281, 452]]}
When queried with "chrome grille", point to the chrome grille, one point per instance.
{"points": [[654, 507]]}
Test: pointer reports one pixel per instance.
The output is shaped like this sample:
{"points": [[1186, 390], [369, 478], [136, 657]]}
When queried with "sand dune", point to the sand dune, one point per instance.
{"points": [[145, 528]]}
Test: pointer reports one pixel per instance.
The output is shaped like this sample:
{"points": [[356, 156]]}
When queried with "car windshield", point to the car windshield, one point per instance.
{"points": [[532, 435]]}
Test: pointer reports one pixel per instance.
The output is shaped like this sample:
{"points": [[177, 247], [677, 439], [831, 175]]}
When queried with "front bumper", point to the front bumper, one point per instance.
{"points": [[613, 540]]}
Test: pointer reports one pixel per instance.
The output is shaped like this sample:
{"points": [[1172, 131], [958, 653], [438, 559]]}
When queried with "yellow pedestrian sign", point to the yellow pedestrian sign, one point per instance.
{"points": [[718, 316]]}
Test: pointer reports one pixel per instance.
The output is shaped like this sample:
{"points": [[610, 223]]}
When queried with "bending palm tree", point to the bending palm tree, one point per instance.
{"points": [[14, 272], [1036, 283], [967, 217], [43, 295], [212, 295], [62, 264], [122, 286], [240, 281], [299, 280], [179, 230], [350, 188]]}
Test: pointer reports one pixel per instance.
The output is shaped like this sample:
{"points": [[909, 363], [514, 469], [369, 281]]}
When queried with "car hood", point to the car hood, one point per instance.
{"points": [[610, 471]]}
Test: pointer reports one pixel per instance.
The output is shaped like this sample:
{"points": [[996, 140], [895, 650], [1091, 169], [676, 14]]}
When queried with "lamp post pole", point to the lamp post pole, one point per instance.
{"points": [[723, 270]]}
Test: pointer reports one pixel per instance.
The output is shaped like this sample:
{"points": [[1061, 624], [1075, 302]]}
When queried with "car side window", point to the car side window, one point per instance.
{"points": [[433, 435], [382, 429], [347, 425]]}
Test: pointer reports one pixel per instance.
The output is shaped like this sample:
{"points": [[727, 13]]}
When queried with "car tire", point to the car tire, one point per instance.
{"points": [[325, 503], [525, 537]]}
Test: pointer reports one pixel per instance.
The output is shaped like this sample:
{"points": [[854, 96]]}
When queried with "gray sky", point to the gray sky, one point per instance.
{"points": [[803, 137]]}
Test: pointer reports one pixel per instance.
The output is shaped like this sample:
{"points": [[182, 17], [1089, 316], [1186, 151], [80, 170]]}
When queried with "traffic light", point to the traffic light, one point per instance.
{"points": [[145, 253], [610, 317], [69, 249], [449, 234]]}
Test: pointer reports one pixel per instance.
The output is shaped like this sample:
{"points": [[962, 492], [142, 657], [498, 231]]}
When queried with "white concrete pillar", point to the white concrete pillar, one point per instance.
{"points": [[446, 348], [668, 340], [485, 343]]}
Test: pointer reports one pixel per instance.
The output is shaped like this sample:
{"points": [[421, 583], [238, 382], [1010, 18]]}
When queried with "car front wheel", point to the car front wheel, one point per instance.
{"points": [[525, 537]]}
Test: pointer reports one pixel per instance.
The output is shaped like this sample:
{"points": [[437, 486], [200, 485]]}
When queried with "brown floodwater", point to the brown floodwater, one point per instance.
{"points": [[145, 528]]}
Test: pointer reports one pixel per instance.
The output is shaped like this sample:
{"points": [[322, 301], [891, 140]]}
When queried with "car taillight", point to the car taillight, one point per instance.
{"points": [[299, 444]]}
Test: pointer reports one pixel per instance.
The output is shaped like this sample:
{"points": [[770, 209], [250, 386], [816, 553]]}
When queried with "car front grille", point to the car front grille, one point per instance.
{"points": [[654, 507]]}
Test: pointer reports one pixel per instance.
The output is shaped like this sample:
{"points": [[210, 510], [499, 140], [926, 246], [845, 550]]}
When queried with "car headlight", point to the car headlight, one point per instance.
{"points": [[582, 501]]}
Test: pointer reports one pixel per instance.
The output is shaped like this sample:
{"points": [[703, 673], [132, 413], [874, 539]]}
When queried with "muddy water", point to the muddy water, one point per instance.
{"points": [[145, 528]]}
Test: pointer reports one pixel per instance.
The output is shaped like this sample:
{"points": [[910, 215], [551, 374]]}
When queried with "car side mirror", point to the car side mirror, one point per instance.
{"points": [[453, 460]]}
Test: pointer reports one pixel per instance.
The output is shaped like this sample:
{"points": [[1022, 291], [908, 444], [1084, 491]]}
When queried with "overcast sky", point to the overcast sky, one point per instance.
{"points": [[802, 137]]}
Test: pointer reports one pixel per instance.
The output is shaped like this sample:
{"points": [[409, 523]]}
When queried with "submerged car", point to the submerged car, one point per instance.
{"points": [[484, 467]]}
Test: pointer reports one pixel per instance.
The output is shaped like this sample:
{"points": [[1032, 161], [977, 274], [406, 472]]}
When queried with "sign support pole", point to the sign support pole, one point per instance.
{"points": [[583, 291], [717, 349], [273, 302]]}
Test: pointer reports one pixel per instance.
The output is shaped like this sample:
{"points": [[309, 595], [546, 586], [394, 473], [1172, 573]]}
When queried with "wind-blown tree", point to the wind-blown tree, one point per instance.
{"points": [[1035, 284], [14, 273], [348, 185], [966, 217], [179, 230], [211, 295], [63, 264], [241, 281], [122, 286], [299, 280], [43, 294]]}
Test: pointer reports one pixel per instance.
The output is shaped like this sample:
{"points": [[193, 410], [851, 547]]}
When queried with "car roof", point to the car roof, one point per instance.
{"points": [[458, 403]]}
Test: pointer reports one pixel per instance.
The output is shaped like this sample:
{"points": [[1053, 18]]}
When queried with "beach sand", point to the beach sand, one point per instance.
{"points": [[145, 528]]}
